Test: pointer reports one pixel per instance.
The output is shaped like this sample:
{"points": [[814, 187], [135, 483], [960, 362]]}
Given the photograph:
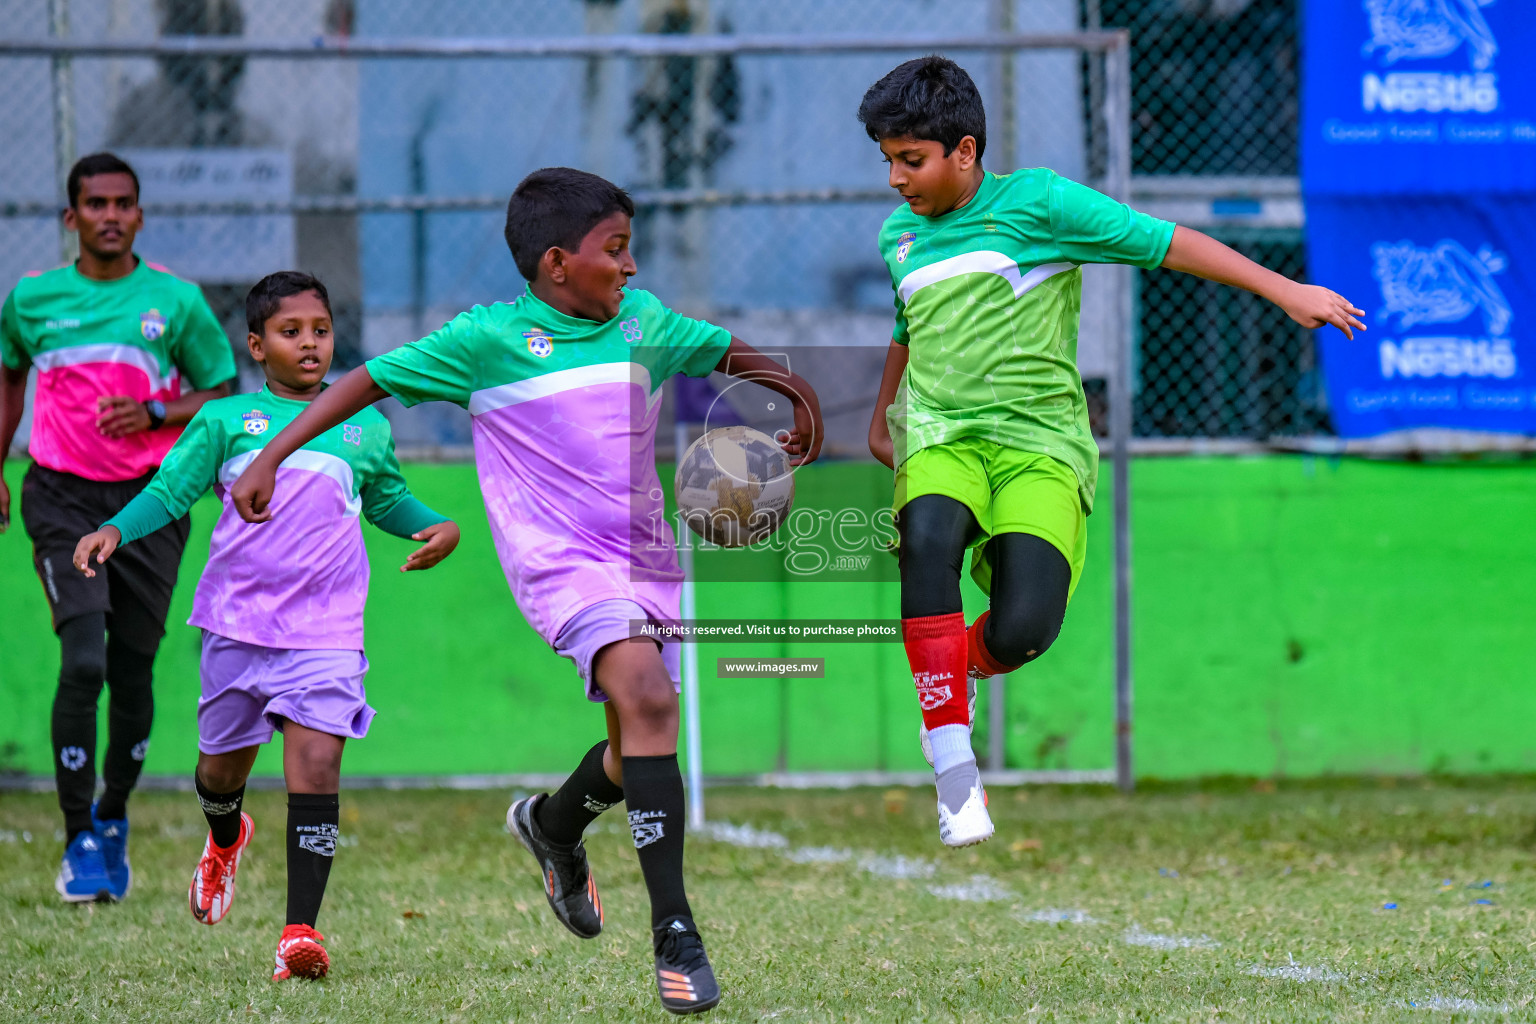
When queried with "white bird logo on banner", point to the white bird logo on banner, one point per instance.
{"points": [[1440, 285], [1418, 29]]}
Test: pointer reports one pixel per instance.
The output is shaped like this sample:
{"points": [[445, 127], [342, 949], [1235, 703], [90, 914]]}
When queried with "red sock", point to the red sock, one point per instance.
{"points": [[978, 659], [936, 651]]}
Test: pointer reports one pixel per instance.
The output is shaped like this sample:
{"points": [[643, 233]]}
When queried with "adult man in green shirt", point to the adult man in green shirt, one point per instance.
{"points": [[125, 354]]}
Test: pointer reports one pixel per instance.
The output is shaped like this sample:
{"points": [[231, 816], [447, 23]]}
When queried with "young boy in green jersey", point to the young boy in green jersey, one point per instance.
{"points": [[981, 410], [280, 605], [564, 384]]}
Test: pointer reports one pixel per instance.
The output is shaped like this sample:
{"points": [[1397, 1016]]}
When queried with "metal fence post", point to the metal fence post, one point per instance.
{"points": [[1117, 106], [63, 117], [997, 723]]}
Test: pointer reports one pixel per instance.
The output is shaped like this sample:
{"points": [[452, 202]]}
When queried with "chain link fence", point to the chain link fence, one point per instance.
{"points": [[388, 177], [1215, 93]]}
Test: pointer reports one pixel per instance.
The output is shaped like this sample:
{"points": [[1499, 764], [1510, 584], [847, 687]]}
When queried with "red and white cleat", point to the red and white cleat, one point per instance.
{"points": [[213, 883], [300, 955]]}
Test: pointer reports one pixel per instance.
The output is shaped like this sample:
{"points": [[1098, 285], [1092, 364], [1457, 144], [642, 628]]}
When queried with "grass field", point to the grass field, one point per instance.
{"points": [[1228, 903]]}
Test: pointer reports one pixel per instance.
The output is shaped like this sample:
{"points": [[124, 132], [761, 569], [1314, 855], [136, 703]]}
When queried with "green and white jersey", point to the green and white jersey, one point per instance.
{"points": [[988, 299]]}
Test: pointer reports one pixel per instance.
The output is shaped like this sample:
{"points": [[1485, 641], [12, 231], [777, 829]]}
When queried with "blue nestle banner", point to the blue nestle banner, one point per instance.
{"points": [[1419, 174], [1449, 291], [1414, 96]]}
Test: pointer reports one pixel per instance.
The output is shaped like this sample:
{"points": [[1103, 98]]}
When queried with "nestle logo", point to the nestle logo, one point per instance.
{"points": [[1431, 91], [1448, 357]]}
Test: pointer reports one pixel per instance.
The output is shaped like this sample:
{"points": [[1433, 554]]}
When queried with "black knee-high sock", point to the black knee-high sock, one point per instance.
{"points": [[130, 714], [313, 820], [653, 795], [223, 813], [579, 800], [82, 670]]}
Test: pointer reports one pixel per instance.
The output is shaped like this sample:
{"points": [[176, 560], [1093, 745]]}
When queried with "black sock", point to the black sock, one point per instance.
{"points": [[312, 833], [130, 713], [82, 670], [223, 813], [579, 800], [653, 795]]}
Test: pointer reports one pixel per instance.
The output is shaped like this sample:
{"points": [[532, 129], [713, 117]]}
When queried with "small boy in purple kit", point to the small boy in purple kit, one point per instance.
{"points": [[281, 604], [564, 384]]}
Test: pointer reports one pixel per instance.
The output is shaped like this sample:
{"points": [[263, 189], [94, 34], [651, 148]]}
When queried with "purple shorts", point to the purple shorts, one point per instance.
{"points": [[604, 623], [248, 691]]}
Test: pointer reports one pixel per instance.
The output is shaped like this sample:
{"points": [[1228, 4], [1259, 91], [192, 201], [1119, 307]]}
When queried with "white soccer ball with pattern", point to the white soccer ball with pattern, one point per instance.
{"points": [[734, 486]]}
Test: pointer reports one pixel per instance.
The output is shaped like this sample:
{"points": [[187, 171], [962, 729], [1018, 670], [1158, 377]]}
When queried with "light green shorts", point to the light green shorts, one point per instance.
{"points": [[1008, 491]]}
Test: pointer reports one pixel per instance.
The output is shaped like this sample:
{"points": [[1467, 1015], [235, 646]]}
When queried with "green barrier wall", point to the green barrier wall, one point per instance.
{"points": [[1294, 616]]}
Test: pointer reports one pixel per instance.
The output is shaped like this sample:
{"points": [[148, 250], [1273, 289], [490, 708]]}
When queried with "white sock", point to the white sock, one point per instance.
{"points": [[951, 746]]}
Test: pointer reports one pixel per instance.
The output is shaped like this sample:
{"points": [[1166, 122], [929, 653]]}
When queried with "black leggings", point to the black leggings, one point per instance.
{"points": [[90, 657], [1030, 578]]}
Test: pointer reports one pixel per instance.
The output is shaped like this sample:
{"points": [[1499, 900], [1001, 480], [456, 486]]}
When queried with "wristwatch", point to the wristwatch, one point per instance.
{"points": [[156, 412]]}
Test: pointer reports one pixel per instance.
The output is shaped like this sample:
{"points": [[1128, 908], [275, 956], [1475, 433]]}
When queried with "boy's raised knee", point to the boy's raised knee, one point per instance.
{"points": [[1020, 637]]}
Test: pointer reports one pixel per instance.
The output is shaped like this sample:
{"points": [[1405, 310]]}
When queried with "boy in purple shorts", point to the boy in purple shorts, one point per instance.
{"points": [[563, 384], [281, 605]]}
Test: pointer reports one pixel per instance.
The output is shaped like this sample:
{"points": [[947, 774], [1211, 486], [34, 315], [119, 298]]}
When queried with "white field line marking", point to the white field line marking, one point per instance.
{"points": [[819, 855], [744, 835], [897, 866], [1052, 915], [1298, 972], [879, 865], [1453, 1005], [1135, 936], [980, 889]]}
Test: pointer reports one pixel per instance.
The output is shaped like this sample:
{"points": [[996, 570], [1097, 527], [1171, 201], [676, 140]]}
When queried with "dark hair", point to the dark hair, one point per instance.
{"points": [[926, 98], [266, 296], [98, 163], [556, 207]]}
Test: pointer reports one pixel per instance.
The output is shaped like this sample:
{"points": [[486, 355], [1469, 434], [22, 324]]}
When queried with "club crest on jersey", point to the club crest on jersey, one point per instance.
{"points": [[904, 245], [539, 343], [255, 422], [151, 324]]}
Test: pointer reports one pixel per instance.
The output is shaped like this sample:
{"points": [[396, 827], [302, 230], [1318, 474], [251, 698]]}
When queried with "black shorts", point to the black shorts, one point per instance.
{"points": [[133, 587]]}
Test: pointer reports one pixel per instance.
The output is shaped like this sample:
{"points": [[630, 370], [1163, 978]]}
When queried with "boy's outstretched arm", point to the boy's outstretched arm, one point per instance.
{"points": [[1308, 304], [747, 363], [252, 492]]}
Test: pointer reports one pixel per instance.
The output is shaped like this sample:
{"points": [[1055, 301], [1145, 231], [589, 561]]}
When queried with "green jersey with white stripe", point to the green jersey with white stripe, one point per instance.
{"points": [[988, 298]]}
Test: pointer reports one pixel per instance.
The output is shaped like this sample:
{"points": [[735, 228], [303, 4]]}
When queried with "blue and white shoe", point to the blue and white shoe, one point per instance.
{"points": [[83, 872], [112, 835]]}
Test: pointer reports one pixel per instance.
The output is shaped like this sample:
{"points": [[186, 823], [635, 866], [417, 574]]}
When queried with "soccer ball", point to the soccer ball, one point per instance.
{"points": [[734, 486]]}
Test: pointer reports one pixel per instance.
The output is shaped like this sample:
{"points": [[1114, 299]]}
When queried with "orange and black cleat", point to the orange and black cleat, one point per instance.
{"points": [[684, 978], [567, 878]]}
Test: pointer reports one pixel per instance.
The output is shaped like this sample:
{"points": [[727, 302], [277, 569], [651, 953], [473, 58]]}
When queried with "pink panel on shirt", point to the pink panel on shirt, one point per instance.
{"points": [[64, 434], [297, 582], [576, 508]]}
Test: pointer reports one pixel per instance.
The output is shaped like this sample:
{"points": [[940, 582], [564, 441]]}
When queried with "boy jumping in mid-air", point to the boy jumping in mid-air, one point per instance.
{"points": [[280, 605], [981, 410], [563, 384]]}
